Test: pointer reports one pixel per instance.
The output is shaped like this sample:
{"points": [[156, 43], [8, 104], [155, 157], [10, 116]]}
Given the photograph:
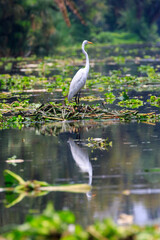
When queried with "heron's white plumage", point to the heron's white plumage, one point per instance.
{"points": [[77, 83], [80, 77]]}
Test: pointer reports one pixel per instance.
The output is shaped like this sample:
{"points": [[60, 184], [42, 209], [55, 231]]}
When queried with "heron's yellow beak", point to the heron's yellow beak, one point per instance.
{"points": [[90, 42]]}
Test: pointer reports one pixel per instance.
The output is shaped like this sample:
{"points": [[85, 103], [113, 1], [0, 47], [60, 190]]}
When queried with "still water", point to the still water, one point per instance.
{"points": [[123, 176]]}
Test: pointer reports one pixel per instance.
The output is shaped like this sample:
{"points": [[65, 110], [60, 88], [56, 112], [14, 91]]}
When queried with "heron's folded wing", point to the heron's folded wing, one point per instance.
{"points": [[77, 83]]}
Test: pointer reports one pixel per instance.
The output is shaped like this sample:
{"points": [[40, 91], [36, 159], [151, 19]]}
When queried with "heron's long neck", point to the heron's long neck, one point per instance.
{"points": [[87, 59]]}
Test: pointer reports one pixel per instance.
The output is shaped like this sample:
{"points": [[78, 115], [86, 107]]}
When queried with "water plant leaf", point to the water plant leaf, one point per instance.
{"points": [[12, 158], [90, 98], [154, 101], [33, 188], [123, 96], [110, 97], [152, 170], [131, 103], [98, 143], [11, 178], [13, 198]]}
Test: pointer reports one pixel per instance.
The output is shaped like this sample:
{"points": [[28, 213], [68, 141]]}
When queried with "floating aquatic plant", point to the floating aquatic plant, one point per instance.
{"points": [[19, 117], [131, 103], [146, 69], [8, 66], [154, 101], [20, 83], [60, 82], [90, 98], [15, 106], [98, 143], [110, 97], [119, 59], [124, 96], [42, 77]]}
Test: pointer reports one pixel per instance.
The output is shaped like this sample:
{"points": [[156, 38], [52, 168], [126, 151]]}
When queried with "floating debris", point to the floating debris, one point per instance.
{"points": [[18, 115], [72, 112], [15, 161], [33, 188], [125, 219]]}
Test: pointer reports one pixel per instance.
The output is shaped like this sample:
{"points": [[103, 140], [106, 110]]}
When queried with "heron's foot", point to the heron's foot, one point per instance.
{"points": [[77, 96]]}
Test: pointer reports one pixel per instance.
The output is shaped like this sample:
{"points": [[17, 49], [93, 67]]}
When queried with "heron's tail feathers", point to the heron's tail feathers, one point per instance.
{"points": [[70, 95]]}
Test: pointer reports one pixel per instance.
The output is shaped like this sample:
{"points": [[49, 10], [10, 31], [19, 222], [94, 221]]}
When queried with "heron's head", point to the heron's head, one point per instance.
{"points": [[86, 41]]}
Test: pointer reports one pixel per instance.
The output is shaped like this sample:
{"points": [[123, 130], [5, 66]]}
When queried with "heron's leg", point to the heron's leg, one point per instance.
{"points": [[76, 98], [79, 93]]}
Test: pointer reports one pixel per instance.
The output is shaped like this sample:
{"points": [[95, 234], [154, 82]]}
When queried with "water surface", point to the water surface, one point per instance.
{"points": [[125, 177], [121, 177]]}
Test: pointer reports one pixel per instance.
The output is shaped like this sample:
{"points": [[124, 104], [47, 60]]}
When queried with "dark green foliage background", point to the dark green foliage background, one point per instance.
{"points": [[38, 27]]}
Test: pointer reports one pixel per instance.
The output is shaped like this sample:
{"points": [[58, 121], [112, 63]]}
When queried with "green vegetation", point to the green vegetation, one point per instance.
{"points": [[110, 97], [131, 103], [17, 106], [154, 101], [18, 117], [60, 83], [19, 83], [53, 224], [55, 29], [99, 143], [40, 77], [17, 111], [55, 112], [116, 37], [21, 113], [16, 188]]}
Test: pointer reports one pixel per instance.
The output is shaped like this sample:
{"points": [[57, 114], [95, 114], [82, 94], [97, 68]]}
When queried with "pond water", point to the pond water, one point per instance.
{"points": [[125, 177], [121, 177]]}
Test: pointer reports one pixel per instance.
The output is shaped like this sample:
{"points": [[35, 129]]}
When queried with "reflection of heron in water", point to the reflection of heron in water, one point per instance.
{"points": [[81, 158]]}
